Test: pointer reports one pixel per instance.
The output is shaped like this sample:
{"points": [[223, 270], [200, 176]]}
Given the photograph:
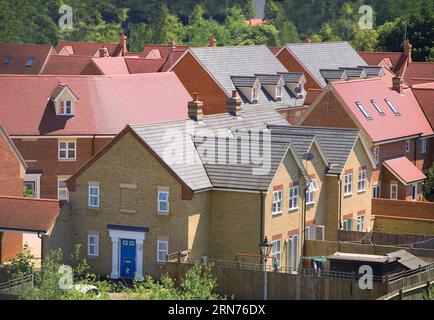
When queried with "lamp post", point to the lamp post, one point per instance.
{"points": [[265, 247]]}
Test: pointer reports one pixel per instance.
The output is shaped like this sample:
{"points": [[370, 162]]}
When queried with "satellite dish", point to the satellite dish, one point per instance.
{"points": [[308, 156]]}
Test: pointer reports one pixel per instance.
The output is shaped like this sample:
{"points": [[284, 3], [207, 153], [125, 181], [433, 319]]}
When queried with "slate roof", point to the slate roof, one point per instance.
{"points": [[269, 79], [407, 259], [244, 81], [333, 74], [336, 143], [373, 71], [227, 61], [359, 73], [182, 132], [291, 77], [325, 55]]}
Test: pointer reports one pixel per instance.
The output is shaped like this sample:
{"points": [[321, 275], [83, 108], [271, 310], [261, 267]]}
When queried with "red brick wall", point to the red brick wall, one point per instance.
{"points": [[293, 65], [11, 244], [400, 208], [196, 79], [45, 151], [10, 182]]}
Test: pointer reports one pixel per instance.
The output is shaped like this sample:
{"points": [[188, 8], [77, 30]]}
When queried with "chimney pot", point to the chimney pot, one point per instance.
{"points": [[212, 41], [124, 44], [407, 50], [234, 104], [195, 108], [397, 84]]}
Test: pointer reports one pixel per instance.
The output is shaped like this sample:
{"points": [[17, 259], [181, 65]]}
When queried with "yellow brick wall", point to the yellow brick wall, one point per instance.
{"points": [[402, 225]]}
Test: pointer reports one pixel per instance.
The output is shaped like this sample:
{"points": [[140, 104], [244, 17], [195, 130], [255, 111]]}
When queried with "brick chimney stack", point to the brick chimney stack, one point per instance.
{"points": [[103, 52], [123, 43], [397, 84], [170, 49], [407, 50], [234, 104], [195, 111], [307, 40], [212, 41]]}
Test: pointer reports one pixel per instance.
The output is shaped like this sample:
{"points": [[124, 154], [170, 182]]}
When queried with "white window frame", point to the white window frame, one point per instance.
{"points": [[91, 196], [159, 202], [361, 222], [423, 145], [95, 245], [65, 108], [67, 149], [348, 184], [279, 91], [36, 179], [310, 193], [407, 146], [361, 181], [347, 224], [276, 207], [376, 154], [59, 197], [293, 198], [276, 255], [392, 185], [159, 250], [376, 189], [254, 94]]}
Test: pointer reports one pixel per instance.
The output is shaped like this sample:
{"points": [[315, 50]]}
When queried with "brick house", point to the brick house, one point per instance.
{"points": [[19, 215], [392, 123], [253, 71], [162, 188], [402, 64], [59, 122]]}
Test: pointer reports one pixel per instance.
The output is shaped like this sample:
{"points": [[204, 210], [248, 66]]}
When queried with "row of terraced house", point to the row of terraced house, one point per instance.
{"points": [[138, 155]]}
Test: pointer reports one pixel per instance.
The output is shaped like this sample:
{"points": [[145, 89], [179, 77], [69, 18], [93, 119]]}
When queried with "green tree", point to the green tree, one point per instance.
{"points": [[364, 39], [429, 184], [22, 264]]}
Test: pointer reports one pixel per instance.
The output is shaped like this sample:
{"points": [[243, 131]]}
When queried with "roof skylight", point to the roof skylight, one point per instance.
{"points": [[363, 110], [375, 104], [390, 104], [30, 61]]}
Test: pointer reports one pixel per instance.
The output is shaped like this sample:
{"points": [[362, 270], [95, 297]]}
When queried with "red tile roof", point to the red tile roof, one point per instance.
{"points": [[25, 214], [106, 103], [419, 72], [65, 65], [411, 120], [404, 170], [111, 65], [89, 49], [255, 22], [18, 54], [424, 94], [374, 58], [140, 65]]}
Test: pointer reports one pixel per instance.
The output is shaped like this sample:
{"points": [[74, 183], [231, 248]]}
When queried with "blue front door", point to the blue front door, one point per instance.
{"points": [[128, 258]]}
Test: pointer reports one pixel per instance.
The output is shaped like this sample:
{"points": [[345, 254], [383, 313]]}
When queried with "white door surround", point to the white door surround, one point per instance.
{"points": [[115, 234]]}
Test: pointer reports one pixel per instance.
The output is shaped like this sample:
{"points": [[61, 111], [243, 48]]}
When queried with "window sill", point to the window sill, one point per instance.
{"points": [[66, 160], [276, 214], [310, 203], [127, 211], [293, 210], [93, 208], [162, 213], [347, 195], [361, 191]]}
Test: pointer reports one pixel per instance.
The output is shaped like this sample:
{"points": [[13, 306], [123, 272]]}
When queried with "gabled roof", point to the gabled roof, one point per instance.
{"points": [[28, 214], [269, 79], [111, 65], [358, 72], [373, 71], [292, 77], [19, 54], [324, 55], [223, 62], [375, 58], [408, 260], [160, 53], [419, 72], [65, 65], [424, 94], [336, 143], [244, 81], [333, 74], [12, 146], [59, 89], [410, 122], [89, 49], [106, 105], [140, 65], [404, 170]]}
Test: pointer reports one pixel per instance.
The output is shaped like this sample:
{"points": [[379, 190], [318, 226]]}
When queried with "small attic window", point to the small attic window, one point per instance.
{"points": [[363, 110], [392, 107], [279, 91], [254, 94], [65, 108], [8, 60], [377, 107], [29, 62]]}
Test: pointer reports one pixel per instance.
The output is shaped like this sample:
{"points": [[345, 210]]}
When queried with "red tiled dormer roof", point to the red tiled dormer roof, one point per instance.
{"points": [[89, 49], [14, 58], [25, 214], [106, 103], [410, 121], [404, 170]]}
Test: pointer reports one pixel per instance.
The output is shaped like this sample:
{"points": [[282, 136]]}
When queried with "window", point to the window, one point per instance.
{"points": [[254, 94], [62, 190], [377, 191], [362, 108], [278, 91], [348, 184], [361, 223], [348, 224], [293, 198], [277, 202], [414, 192], [29, 62], [65, 107], [392, 107], [394, 191], [163, 201], [423, 145], [310, 192], [407, 145], [8, 60], [92, 245], [361, 181], [377, 107], [376, 154], [30, 189], [275, 253], [67, 150], [293, 252], [93, 196], [162, 250]]}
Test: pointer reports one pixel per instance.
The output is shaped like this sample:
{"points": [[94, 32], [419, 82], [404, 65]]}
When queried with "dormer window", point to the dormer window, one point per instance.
{"points": [[8, 60], [272, 84], [29, 62], [278, 91], [248, 86], [254, 94], [64, 100]]}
